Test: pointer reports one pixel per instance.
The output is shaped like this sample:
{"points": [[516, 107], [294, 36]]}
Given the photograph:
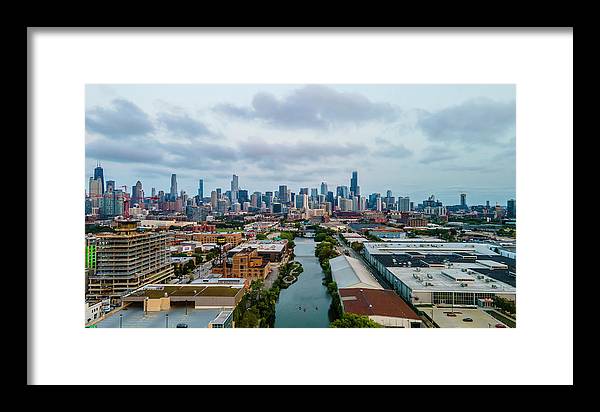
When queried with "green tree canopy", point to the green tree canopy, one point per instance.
{"points": [[351, 320]]}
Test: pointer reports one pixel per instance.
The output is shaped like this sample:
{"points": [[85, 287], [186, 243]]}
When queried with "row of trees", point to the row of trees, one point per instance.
{"points": [[257, 307], [324, 251], [507, 306], [351, 320]]}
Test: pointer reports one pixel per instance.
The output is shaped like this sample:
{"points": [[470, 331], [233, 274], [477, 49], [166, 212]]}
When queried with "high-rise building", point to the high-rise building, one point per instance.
{"points": [[268, 199], [304, 190], [153, 192], [173, 191], [234, 188], [330, 197], [354, 188], [213, 199], [283, 195], [110, 186], [137, 193], [378, 204], [342, 191], [99, 174], [511, 208], [323, 188], [128, 259], [242, 196], [200, 190], [403, 204], [463, 200], [313, 193]]}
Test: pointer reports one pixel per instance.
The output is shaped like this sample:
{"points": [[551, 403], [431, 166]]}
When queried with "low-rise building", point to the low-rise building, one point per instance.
{"points": [[380, 305], [232, 237], [270, 250], [443, 273]]}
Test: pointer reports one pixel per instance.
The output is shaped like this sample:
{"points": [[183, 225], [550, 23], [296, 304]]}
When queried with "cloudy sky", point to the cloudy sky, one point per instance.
{"points": [[415, 140]]}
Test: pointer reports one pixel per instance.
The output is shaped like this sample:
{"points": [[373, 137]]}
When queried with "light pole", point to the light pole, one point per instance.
{"points": [[120, 320], [186, 307], [167, 320]]}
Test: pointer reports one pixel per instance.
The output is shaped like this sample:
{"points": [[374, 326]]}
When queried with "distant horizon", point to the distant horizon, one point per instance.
{"points": [[415, 140]]}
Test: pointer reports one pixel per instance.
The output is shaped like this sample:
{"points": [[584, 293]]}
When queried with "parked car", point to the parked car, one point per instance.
{"points": [[182, 325], [467, 320], [500, 325]]}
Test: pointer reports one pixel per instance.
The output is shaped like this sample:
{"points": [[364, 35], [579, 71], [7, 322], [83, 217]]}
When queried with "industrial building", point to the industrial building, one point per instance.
{"points": [[361, 293], [380, 305], [443, 273], [128, 259]]}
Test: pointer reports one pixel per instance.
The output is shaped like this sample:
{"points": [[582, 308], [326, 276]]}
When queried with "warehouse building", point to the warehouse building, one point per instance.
{"points": [[361, 294], [462, 274]]}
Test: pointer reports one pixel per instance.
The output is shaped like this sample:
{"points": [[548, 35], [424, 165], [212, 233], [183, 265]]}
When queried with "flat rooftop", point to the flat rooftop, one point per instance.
{"points": [[449, 280], [262, 246], [189, 290], [134, 317], [481, 319], [472, 256]]}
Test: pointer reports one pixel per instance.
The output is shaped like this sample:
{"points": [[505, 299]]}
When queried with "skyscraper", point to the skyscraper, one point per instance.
{"points": [[323, 188], [342, 191], [200, 190], [354, 188], [137, 193], [313, 193], [234, 188], [463, 200], [110, 186], [403, 204], [99, 174], [213, 199], [283, 197], [511, 208], [173, 191]]}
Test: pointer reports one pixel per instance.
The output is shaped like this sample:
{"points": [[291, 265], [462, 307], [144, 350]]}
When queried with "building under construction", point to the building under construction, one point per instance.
{"points": [[128, 259]]}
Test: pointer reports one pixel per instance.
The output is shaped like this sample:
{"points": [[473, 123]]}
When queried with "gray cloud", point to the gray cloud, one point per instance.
{"points": [[121, 120], [183, 125], [124, 152], [311, 107], [475, 121], [259, 150], [388, 149], [437, 154]]}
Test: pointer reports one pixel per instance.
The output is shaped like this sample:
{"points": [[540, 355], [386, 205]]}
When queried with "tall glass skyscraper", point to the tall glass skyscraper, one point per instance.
{"points": [[200, 190], [99, 174], [173, 191], [354, 188], [323, 188]]}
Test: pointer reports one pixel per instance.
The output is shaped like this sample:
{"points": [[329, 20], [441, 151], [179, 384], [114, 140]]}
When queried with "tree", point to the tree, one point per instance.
{"points": [[261, 236], [351, 320], [357, 247]]}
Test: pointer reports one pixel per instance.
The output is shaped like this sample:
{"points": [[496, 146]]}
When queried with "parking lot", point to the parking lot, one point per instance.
{"points": [[134, 317], [480, 318]]}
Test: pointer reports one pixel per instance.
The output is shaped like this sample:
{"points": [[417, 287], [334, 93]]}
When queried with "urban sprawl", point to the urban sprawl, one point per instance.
{"points": [[227, 259]]}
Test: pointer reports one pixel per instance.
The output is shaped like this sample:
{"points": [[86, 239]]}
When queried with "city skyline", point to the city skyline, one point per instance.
{"points": [[415, 140], [153, 191]]}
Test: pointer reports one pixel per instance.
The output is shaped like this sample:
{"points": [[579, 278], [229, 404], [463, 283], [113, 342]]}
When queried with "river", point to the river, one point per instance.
{"points": [[308, 293]]}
